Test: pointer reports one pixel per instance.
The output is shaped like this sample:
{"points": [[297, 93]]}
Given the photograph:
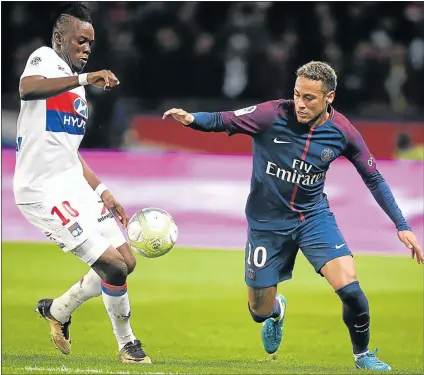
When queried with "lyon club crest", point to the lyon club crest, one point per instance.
{"points": [[327, 155]]}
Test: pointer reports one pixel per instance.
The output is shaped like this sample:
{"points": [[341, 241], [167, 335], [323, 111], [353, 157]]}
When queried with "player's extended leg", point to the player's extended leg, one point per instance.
{"points": [[89, 286], [113, 271], [94, 219], [266, 307], [59, 310], [269, 259], [95, 244], [341, 274], [324, 246]]}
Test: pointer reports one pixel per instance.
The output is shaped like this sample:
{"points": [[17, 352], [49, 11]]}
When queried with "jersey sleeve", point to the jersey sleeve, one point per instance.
{"points": [[251, 120], [39, 64], [358, 154]]}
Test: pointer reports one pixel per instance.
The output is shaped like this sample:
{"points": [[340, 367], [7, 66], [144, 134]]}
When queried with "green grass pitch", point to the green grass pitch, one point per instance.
{"points": [[189, 309]]}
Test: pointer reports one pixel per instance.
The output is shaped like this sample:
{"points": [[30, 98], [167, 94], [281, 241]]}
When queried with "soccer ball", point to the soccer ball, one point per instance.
{"points": [[152, 232]]}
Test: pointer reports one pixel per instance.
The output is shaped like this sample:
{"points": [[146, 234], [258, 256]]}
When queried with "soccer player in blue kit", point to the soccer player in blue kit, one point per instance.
{"points": [[294, 143]]}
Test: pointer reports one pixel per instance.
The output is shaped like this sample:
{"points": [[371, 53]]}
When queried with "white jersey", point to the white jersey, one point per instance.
{"points": [[49, 131]]}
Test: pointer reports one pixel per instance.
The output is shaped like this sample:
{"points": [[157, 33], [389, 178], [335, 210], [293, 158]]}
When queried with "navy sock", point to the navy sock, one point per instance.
{"points": [[356, 315], [261, 318]]}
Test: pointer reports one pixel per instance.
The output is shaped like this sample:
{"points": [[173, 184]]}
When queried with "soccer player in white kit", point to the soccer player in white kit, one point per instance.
{"points": [[56, 190]]}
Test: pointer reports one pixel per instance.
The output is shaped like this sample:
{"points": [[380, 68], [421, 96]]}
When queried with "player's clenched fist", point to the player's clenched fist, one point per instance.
{"points": [[104, 79], [180, 115]]}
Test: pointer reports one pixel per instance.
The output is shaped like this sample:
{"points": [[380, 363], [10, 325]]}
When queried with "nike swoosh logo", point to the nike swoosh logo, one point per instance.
{"points": [[360, 326], [340, 246], [277, 141]]}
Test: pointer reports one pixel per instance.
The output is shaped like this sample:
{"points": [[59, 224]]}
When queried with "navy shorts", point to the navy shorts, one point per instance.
{"points": [[270, 255]]}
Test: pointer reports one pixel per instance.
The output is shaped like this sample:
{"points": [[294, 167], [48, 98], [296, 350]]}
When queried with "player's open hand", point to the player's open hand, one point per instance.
{"points": [[410, 241], [104, 79], [115, 207], [180, 115]]}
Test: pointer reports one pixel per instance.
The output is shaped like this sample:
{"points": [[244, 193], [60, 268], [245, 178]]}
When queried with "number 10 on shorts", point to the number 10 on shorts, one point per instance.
{"points": [[259, 252], [67, 207]]}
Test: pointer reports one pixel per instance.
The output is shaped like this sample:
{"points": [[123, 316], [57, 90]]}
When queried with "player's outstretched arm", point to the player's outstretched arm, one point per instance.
{"points": [[358, 153], [250, 120], [38, 87], [382, 193], [103, 192], [203, 121]]}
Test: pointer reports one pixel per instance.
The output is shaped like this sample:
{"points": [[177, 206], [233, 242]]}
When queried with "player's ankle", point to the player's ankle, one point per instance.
{"points": [[57, 312], [124, 340], [279, 308], [258, 318], [356, 356]]}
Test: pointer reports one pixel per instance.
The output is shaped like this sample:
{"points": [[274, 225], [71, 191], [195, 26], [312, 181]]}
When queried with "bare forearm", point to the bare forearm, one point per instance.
{"points": [[38, 88], [89, 175]]}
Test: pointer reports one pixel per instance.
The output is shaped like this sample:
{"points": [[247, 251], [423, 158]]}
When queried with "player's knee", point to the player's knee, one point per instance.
{"points": [[350, 275], [116, 272], [128, 255], [339, 272], [131, 262], [354, 298]]}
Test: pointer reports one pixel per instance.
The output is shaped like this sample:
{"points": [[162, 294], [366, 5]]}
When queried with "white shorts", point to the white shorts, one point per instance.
{"points": [[75, 218]]}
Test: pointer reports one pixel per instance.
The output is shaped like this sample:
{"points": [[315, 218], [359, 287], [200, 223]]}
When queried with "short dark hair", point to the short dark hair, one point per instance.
{"points": [[319, 71], [68, 10]]}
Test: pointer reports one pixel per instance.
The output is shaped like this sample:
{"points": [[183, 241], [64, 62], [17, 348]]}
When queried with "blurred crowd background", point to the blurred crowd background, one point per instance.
{"points": [[208, 56]]}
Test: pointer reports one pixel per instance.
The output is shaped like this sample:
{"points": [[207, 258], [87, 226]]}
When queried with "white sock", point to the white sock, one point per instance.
{"points": [[360, 354], [88, 287], [118, 307]]}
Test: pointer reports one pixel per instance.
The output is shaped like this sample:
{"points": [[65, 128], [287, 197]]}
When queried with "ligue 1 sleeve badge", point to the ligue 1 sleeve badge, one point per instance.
{"points": [[327, 155]]}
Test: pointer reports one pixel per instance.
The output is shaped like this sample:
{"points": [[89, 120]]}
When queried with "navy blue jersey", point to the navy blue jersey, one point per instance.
{"points": [[291, 159]]}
